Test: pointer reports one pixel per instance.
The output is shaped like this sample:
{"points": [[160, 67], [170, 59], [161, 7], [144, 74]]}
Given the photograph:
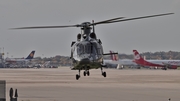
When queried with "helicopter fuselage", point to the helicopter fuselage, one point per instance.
{"points": [[87, 55]]}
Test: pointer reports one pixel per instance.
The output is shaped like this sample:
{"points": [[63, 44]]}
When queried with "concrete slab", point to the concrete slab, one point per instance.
{"points": [[119, 85]]}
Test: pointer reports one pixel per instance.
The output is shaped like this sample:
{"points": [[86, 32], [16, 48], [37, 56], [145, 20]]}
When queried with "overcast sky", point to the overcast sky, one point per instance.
{"points": [[153, 34]]}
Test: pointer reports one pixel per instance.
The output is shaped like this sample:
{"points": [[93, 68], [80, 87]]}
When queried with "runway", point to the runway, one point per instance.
{"points": [[119, 85]]}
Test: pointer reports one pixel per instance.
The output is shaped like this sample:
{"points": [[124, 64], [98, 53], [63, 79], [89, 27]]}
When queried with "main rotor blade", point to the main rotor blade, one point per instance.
{"points": [[38, 27], [135, 18], [106, 21], [100, 22]]}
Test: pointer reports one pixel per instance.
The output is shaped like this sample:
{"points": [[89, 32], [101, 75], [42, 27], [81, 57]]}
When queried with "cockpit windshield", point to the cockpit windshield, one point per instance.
{"points": [[84, 48], [87, 48]]}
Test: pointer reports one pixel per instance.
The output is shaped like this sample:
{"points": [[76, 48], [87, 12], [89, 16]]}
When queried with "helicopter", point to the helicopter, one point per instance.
{"points": [[87, 51]]}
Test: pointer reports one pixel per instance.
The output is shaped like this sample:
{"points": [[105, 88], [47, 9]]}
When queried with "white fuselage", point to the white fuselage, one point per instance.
{"points": [[165, 62], [123, 62]]}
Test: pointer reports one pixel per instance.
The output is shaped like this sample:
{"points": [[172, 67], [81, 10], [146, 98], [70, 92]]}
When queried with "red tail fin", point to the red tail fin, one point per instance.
{"points": [[137, 55], [114, 57], [111, 55]]}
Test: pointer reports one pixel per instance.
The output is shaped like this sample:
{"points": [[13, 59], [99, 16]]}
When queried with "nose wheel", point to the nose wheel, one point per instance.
{"points": [[86, 73]]}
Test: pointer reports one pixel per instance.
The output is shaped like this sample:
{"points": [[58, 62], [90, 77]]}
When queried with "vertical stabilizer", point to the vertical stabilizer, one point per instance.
{"points": [[114, 57], [31, 55], [137, 55]]}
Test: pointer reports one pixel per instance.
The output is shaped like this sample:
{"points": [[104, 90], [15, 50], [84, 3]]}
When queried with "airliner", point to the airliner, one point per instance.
{"points": [[120, 62], [164, 64], [16, 60]]}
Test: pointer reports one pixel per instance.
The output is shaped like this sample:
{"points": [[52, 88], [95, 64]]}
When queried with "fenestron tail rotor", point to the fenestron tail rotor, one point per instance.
{"points": [[114, 20]]}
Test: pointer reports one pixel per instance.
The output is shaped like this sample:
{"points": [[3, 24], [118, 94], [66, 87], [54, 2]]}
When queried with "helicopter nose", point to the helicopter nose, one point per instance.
{"points": [[84, 61]]}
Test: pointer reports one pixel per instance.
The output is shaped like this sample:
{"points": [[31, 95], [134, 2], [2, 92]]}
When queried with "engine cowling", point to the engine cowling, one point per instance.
{"points": [[173, 67], [93, 35]]}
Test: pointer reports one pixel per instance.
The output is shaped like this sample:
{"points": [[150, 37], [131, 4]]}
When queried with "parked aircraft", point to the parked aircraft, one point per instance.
{"points": [[164, 64], [121, 63], [20, 60]]}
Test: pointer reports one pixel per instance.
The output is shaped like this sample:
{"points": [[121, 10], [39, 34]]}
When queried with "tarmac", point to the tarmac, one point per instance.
{"points": [[59, 84]]}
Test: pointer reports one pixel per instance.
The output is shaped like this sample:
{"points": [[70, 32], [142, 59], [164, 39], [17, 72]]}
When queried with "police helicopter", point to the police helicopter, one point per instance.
{"points": [[87, 51]]}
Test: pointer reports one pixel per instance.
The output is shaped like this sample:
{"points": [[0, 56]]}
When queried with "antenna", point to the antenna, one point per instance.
{"points": [[93, 26]]}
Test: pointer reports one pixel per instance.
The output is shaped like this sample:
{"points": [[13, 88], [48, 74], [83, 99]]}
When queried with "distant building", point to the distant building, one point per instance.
{"points": [[1, 60]]}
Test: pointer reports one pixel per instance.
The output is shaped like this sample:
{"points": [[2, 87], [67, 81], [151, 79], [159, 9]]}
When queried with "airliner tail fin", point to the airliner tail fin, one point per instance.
{"points": [[31, 55]]}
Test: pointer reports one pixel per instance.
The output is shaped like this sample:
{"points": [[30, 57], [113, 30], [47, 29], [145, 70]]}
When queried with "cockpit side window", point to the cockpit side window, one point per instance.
{"points": [[80, 49], [87, 48], [97, 48]]}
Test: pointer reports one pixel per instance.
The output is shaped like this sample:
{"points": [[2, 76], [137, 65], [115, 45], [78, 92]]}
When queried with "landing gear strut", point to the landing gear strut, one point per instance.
{"points": [[103, 73]]}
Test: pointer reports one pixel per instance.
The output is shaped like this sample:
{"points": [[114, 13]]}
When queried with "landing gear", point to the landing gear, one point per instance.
{"points": [[165, 68], [103, 73], [86, 72], [78, 76]]}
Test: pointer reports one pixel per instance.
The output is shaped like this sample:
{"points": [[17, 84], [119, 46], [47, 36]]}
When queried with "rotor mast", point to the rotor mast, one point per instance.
{"points": [[85, 31]]}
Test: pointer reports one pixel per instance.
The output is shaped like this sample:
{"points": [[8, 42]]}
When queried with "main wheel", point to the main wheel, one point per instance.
{"points": [[104, 74], [77, 77], [84, 73]]}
